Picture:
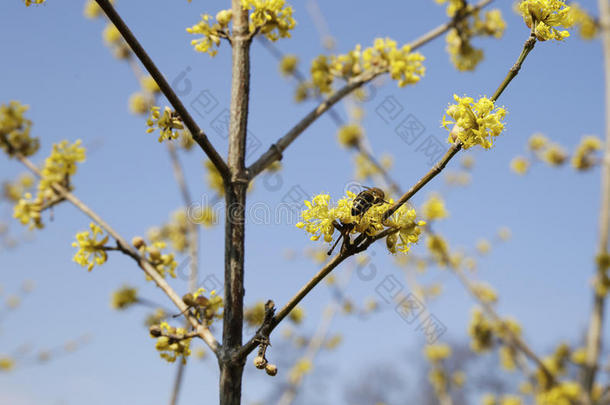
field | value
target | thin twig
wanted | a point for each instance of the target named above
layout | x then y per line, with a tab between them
594	335
126	248
197	133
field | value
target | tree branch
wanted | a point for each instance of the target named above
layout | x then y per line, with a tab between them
275	151
197	133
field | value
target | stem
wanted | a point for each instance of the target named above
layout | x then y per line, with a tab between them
197	133
126	248
275	151
594	335
231	368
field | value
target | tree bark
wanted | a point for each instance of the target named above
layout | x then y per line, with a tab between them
231	367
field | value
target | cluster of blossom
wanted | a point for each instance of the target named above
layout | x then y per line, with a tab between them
168	123
542	149
546	16
440	378
164	263
588	26
57	170
434	208
170	348
15	130
124	297
320	220
13	190
476	123
91	250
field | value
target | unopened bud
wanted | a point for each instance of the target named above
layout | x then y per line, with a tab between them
260	362
271	369
138	242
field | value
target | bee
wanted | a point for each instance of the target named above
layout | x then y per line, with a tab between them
366	199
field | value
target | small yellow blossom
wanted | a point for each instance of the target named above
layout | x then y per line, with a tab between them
92	9
111	35
211	31
124	297
588	27
520	165
350	135
149	84
481	332
28	3
546	16
27	211
255	314
168	123
288	65
508	358
437	352
15	130
583	158
554	155
537	142
164	263
91	251
272	18
6	363
483	246
438	248
453	6
171	348
565	393
214	178
140	103
485	293
434	208
297	315
476	123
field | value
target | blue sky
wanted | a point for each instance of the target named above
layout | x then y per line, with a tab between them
54	60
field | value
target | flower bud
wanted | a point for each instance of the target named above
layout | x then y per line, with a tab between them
138	242
155	254
260	362
271	369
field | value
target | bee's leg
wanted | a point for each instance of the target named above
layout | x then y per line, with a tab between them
177	315
330	252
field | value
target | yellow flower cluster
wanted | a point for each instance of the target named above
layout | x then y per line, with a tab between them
453	6
168	123
319	220
476	123
485	292
588	27
272	18
171	348
164	263
175	232
15	130
565	393
297	315
288	65
583	158
92	10
434	208
208	309
13	190
438	249
546	16
57	169
124	297
255	314
214	178
350	135
520	165
463	55
437	352
91	251
28	3
383	57
481	331
211	31
142	101
554	155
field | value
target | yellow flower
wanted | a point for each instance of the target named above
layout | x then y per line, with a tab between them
453	6
27	211
476	123
111	35
124	298
272	18
170	348
319	219
462	54
434	208
28	3
91	251
6	363
508	358
438	248
520	165
481	332
211	32
163	263
438	352
288	64
297	315
92	10
61	164
140	103
168	123
588	25
565	393
483	246
149	84
215	181
554	155
15	130
350	135
255	314
537	142
546	16
485	293
583	158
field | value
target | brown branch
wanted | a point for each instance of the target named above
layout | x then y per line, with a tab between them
595	331
126	248
198	135
275	151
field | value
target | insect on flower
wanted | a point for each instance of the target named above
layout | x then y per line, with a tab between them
366	199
